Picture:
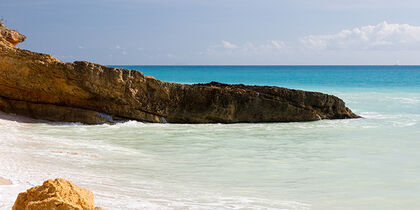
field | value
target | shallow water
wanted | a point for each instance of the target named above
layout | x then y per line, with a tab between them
369	163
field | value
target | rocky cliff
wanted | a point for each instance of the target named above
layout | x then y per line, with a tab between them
42	87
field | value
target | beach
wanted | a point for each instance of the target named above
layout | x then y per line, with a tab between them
4	181
368	163
210	105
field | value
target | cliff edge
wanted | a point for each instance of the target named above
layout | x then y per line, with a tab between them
40	86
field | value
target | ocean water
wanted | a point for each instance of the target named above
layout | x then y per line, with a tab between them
368	163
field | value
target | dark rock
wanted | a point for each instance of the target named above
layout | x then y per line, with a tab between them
42	87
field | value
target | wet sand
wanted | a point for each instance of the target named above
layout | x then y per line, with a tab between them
4	181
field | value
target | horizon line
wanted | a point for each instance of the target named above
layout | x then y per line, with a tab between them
261	65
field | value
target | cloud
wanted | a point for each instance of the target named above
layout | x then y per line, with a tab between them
278	44
382	36
226	47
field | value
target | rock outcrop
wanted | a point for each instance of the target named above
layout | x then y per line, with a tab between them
42	87
11	36
57	194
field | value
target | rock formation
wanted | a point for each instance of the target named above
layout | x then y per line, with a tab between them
57	194
11	36
42	87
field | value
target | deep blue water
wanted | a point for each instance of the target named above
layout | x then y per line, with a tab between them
304	77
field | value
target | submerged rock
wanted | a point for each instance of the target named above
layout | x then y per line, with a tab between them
57	194
42	87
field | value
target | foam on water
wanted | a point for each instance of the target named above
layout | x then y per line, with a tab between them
368	163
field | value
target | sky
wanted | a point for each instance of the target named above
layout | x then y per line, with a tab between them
220	32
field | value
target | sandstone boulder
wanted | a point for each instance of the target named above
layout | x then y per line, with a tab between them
56	194
42	87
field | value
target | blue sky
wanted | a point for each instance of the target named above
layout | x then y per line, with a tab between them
220	31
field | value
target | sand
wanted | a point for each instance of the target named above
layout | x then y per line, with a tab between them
4	181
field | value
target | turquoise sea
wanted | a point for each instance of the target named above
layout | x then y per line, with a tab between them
368	163
332	78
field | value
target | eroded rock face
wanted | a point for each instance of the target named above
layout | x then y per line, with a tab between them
11	36
56	194
42	87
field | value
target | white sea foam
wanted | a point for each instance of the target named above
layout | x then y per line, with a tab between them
325	164
406	100
376	115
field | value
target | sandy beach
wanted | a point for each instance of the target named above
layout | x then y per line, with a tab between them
293	105
4	181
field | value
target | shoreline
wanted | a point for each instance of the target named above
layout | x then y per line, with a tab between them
25	145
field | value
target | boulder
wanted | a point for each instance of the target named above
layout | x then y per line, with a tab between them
42	87
56	194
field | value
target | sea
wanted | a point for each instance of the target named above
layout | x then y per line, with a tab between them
367	163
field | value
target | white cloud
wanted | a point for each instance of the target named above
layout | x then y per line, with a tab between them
247	48
228	45
278	44
269	46
223	47
378	37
